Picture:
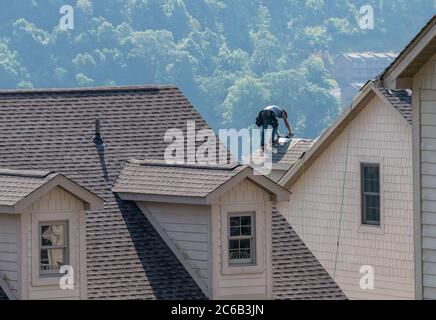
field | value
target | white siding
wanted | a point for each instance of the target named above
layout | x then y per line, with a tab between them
54	206
424	90
377	134
188	227
243	285
9	253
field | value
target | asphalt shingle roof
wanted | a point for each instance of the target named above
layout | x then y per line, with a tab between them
3	295
297	274
291	153
52	130
158	178
287	153
401	100
17	184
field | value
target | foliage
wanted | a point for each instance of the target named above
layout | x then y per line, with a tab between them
230	57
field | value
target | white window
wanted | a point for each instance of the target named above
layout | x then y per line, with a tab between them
241	239
53	247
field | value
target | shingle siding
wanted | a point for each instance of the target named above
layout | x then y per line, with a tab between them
377	134
424	85
9	260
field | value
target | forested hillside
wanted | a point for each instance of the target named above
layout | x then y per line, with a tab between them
230	57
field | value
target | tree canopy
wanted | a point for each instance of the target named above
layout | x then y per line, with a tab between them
230	57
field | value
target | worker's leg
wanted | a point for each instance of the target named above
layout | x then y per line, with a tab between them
262	130
274	134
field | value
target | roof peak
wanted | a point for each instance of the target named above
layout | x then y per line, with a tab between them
150	87
25	173
163	163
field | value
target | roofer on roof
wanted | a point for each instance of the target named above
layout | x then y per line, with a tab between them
268	117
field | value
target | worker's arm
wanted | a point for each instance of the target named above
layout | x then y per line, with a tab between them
285	119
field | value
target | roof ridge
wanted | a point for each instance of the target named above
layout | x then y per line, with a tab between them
25	173
88	89
162	163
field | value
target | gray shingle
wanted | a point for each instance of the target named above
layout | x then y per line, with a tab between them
287	153
157	178
17	184
401	100
297	274
52	130
3	295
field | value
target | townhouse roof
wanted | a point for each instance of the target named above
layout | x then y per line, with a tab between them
419	50
53	130
18	188
401	100
297	274
289	153
159	181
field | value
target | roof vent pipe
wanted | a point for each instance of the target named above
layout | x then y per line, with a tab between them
98	140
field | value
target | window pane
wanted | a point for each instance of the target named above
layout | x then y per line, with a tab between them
240	250
235	221
372	205
246	221
246	231
235	231
52	259
245	244
371	179
233	244
53	235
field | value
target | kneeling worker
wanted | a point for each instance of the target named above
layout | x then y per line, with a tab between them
268	117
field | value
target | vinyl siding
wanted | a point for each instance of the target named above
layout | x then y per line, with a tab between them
9	251
52	207
377	135
424	90
188	227
243	285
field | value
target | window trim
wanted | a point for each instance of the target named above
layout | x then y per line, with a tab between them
75	257
262	229
66	246
240	262
364	221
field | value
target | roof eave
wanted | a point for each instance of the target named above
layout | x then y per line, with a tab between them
92	201
410	52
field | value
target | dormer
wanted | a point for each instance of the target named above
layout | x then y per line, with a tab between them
42	231
215	218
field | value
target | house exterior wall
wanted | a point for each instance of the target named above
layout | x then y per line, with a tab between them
56	206
249	282
9	251
424	105
188	228
378	134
